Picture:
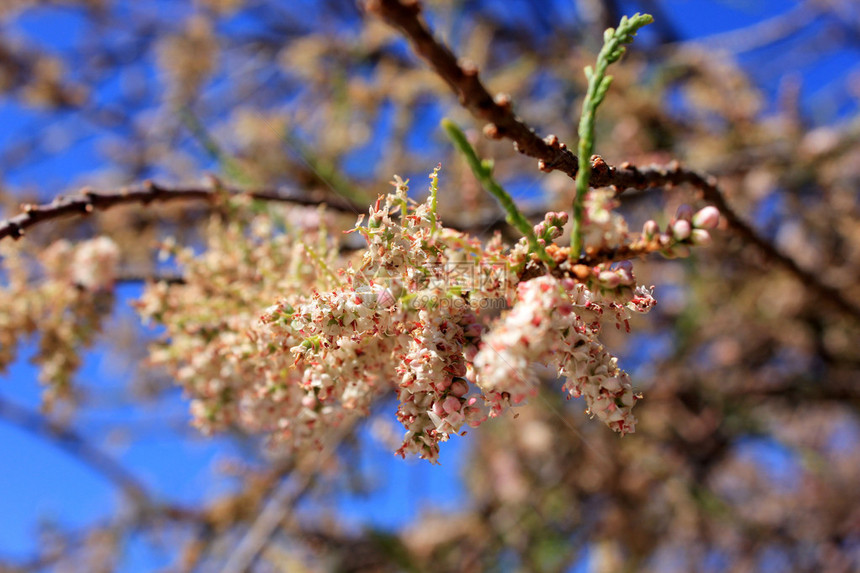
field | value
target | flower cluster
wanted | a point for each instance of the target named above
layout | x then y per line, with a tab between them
556	322
65	298
407	313
214	345
607	231
452	327
94	264
685	230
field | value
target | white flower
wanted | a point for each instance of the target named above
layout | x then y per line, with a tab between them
95	262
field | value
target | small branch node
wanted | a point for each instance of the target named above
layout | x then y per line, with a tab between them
492	131
468	67
503	100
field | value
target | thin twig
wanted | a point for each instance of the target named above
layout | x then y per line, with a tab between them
462	77
764	33
88	200
284	497
629	176
80	448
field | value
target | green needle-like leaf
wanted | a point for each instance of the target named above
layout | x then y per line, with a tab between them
614	40
483	170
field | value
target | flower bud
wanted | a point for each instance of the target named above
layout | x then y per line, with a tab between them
609	279
451	404
681	229
474	330
700	237
623	271
650	229
707	218
470	352
459	388
625	276
561	218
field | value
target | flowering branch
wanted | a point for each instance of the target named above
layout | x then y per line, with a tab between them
554	155
629	176
88	200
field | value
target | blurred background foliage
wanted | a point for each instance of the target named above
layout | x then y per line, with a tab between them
747	456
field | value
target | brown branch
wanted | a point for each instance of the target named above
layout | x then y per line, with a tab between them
625	176
761	34
463	80
282	500
462	77
77	446
152	277
88	200
628	176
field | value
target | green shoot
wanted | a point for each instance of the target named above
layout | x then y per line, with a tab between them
483	170
614	40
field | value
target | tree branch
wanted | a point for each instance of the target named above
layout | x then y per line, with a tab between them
463	80
625	176
88	200
283	498
462	77
629	176
764	33
77	446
